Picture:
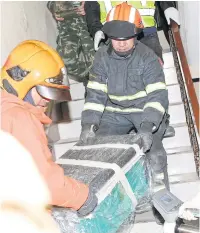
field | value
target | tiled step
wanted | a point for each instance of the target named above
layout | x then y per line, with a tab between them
151	226
70	131
76	107
177	189
168	60
181	140
176	112
184	160
78	92
173	145
170	76
176	144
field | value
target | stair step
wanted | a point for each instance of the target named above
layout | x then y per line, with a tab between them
184	177
170	76
177	113
152	227
176	150
172	145
70	131
177	189
184	160
168	60
75	109
174	94
78	92
181	139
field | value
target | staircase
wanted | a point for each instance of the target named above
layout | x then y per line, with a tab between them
183	178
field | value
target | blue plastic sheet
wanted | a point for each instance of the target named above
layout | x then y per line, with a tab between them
115	210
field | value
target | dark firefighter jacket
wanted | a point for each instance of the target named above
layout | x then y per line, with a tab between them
126	85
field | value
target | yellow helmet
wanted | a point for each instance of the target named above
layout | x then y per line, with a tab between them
35	64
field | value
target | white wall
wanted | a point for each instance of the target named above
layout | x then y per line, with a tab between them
25	20
190	30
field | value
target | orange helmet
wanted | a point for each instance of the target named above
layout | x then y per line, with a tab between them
121	22
35	64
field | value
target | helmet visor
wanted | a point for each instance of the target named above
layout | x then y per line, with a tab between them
61	79
53	93
58	88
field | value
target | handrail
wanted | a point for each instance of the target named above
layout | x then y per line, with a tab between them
187	74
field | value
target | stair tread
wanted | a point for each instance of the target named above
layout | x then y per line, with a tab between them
168	60
172	145
176	189
176	111
186	162
78	92
174	142
152	227
70	131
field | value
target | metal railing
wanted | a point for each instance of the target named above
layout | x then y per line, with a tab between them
186	86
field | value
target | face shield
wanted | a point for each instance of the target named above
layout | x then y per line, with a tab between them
56	88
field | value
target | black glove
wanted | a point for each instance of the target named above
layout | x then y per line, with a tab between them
88	132
145	134
89	204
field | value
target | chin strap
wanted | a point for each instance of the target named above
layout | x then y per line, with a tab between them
28	98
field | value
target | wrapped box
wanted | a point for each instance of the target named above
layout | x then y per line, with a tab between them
114	167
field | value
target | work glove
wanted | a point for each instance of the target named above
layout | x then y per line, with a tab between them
89	204
99	35
172	13
145	134
88	133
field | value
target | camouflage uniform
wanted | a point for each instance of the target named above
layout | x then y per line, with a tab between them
74	42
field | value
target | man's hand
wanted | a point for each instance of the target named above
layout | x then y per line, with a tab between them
81	10
145	134
59	19
89	205
172	13
99	35
88	132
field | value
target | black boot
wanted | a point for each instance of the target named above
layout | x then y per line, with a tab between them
169	132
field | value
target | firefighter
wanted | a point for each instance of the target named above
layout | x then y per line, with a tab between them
147	33
34	74
127	89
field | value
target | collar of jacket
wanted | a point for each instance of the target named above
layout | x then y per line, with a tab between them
112	53
9	101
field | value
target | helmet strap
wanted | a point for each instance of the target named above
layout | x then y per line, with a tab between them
28	98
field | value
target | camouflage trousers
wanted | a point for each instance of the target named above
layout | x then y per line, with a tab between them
75	46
